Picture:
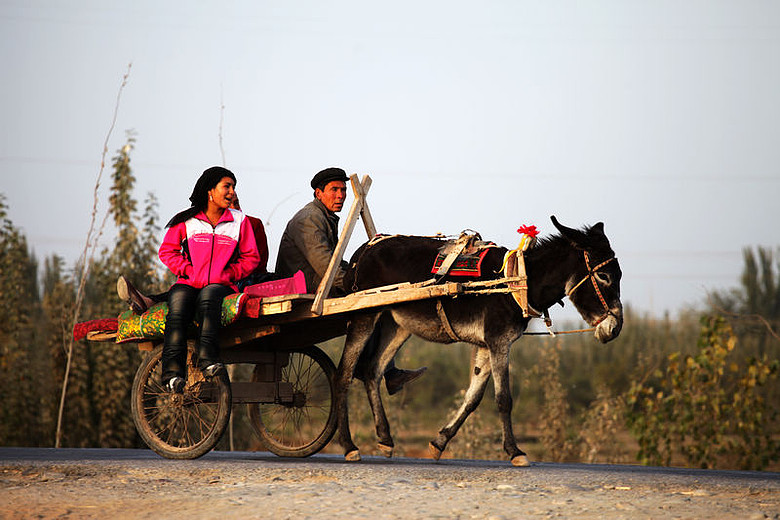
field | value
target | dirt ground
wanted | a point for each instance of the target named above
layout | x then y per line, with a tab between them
70	483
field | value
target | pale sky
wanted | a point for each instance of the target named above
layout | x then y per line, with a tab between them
659	118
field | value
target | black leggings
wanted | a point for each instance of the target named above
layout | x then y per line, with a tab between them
186	304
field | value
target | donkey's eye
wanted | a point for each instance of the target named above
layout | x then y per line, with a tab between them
603	278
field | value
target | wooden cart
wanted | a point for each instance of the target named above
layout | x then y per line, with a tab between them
291	391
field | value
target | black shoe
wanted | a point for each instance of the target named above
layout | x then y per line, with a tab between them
396	378
214	370
129	294
175	385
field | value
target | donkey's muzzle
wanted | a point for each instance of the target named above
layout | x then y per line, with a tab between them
610	327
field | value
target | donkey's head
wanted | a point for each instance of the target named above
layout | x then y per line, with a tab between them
594	283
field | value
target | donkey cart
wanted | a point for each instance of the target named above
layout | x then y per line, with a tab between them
290	395
297	397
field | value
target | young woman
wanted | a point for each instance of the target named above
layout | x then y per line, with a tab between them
208	247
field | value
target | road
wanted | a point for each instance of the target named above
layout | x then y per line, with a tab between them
119	483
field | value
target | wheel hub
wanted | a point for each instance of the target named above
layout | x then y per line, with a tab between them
299	399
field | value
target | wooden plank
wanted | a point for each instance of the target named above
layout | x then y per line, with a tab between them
338	253
275	308
361	188
98	335
403	292
444	268
235	336
257	307
359	301
287	297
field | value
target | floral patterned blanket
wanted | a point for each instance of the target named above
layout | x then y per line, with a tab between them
151	324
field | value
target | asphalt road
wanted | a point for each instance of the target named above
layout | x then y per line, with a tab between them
118	483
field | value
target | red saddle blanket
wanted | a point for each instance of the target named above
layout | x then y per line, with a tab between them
464	265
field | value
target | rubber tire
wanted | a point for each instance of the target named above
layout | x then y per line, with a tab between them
151	423
308	366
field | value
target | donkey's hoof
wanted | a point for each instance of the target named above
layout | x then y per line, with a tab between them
352	456
521	461
385	450
434	451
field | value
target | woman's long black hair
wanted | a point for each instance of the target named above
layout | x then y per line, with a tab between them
200	193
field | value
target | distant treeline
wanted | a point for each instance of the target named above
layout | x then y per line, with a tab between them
698	389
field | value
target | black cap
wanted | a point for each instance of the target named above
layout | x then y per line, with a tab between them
327	175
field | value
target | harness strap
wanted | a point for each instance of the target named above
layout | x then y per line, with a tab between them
445	266
548	323
591	272
445	323
592	275
514	267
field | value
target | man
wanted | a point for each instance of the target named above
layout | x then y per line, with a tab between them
308	243
312	234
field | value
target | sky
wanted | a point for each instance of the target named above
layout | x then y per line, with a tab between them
659	118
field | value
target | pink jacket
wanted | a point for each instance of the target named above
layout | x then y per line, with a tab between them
200	254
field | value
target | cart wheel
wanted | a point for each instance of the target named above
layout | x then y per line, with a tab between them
179	426
306	425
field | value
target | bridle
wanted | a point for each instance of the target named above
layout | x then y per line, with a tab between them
592	275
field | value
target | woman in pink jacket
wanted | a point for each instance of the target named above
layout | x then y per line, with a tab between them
208	247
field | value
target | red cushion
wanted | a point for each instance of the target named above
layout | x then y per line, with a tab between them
80	330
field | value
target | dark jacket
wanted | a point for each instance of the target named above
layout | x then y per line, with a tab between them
308	243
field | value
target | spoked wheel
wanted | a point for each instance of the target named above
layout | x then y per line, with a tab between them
179	426
303	424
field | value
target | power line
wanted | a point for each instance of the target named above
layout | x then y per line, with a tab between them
737	177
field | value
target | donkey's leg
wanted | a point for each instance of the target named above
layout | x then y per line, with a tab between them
480	374
391	337
358	332
499	360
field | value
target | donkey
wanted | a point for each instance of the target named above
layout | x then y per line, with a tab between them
579	264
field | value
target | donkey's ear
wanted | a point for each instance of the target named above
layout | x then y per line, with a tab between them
576	237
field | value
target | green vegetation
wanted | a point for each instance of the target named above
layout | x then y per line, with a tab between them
707	406
699	390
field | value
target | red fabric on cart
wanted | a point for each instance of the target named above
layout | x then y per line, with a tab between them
80	330
252	307
293	285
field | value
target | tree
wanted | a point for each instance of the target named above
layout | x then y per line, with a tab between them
102	373
755	305
19	359
115	365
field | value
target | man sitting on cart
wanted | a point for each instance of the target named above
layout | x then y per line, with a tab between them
308	243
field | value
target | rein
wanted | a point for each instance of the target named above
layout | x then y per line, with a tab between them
592	275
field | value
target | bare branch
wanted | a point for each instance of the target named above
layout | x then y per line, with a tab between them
268	220
752	317
85	260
